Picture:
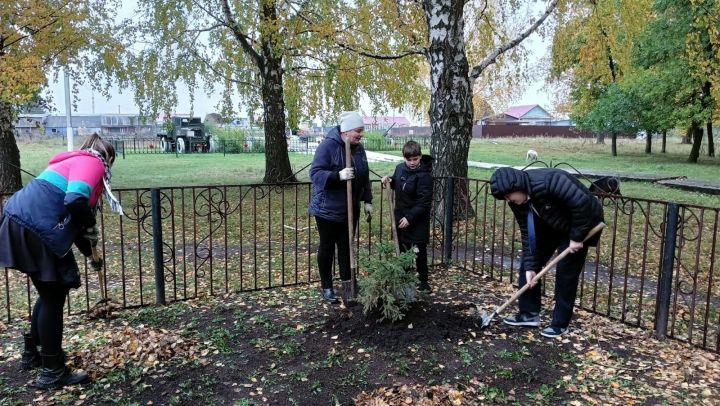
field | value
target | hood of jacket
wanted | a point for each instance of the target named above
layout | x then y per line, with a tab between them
507	180
63	156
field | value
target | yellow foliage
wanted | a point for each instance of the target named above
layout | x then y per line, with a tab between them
39	35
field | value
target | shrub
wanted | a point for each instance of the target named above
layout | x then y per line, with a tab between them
374	141
387	287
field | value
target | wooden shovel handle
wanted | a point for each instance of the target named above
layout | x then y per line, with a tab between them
547	268
391	207
351	220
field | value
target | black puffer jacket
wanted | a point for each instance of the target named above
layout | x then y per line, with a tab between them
562	204
413	200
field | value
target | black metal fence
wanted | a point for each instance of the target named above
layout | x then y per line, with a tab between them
655	266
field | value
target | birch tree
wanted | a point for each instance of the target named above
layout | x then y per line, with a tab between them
465	43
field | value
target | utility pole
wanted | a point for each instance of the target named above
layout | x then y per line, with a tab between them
68	119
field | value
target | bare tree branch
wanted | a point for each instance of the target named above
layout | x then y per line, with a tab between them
221	74
240	35
490	59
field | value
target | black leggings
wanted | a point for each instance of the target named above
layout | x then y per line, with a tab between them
332	234
47	317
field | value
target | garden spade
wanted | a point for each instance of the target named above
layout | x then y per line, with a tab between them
349	291
103	308
391	207
488	318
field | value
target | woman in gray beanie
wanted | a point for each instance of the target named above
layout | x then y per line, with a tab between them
554	211
328	203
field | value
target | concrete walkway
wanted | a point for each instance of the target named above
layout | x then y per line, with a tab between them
680	182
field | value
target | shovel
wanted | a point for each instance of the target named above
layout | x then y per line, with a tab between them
349	292
488	318
104	307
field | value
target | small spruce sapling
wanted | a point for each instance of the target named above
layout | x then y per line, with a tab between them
387	286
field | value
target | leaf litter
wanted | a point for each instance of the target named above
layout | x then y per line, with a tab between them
283	346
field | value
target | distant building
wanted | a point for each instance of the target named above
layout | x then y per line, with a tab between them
107	125
384	122
30	125
530	114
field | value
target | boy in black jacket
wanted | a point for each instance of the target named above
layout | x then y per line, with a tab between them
413	183
554	211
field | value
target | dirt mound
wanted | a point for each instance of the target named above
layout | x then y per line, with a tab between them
424	323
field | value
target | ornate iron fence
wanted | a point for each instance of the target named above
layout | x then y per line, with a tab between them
655	266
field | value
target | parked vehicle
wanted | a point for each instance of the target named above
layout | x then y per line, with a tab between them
184	134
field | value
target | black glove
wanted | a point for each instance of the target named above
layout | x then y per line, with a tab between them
97	265
91	234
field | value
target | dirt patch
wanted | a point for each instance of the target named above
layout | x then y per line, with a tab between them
285	347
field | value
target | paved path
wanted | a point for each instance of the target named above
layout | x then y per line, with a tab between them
680	182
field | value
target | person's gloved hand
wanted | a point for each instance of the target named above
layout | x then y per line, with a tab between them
96	265
368	211
347	173
91	234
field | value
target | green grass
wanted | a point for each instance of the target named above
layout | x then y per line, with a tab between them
159	170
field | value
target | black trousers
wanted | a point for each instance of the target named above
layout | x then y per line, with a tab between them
46	325
421	263
332	234
567	275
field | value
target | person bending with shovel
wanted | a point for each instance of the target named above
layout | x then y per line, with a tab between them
39	226
554	211
340	178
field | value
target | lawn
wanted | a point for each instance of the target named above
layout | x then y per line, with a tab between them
162	170
285	347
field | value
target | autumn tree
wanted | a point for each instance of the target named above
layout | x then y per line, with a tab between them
681	44
37	38
271	55
592	51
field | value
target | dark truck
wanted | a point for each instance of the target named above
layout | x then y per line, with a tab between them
184	134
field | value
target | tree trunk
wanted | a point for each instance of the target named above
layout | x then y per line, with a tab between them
711	142
600	139
697	135
664	141
688	135
613	146
10	180
277	163
451	106
648	141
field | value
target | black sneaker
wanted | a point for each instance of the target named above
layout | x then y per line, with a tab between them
552	332
523	319
424	287
329	296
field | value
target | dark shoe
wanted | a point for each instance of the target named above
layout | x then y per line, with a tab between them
424	287
30	356
348	292
329	295
56	374
523	319
552	332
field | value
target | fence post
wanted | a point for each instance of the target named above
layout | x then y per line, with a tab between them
158	248
448	226
123	148
662	307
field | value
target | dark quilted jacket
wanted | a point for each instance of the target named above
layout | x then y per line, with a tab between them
413	200
562	204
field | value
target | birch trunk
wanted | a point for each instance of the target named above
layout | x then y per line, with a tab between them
451	106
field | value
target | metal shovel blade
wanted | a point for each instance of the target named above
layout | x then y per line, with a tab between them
486	319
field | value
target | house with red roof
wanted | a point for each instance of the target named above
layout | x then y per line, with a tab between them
529	114
384	122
